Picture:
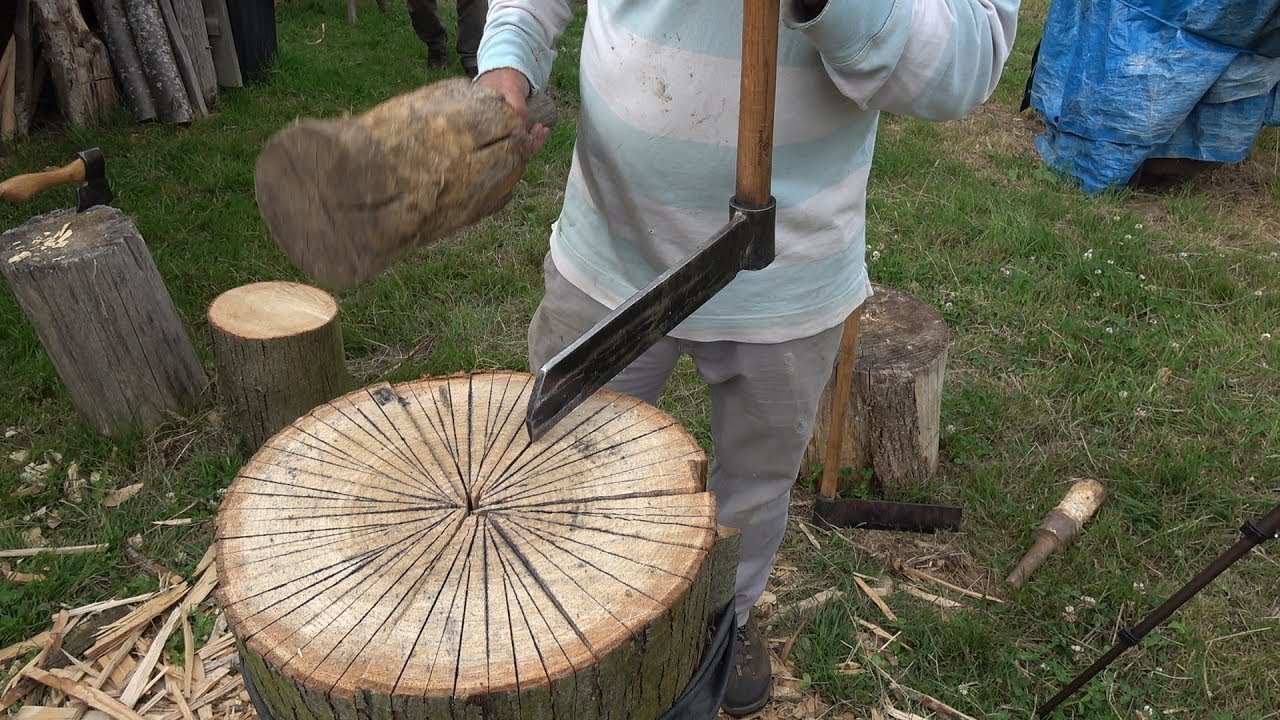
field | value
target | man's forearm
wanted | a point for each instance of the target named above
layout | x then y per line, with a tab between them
521	35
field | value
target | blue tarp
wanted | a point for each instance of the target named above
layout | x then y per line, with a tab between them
1119	82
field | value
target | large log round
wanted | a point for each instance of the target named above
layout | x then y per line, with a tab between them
405	551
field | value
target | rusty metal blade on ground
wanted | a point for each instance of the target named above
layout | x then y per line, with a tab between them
885	515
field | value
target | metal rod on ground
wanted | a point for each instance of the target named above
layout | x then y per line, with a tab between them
1255	533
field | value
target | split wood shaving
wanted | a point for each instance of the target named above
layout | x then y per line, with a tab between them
130	671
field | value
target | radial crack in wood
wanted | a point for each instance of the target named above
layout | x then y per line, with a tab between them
405	550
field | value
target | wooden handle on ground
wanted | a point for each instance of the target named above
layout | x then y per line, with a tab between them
845	362
760	20
21	188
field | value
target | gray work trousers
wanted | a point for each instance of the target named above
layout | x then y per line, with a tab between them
764	398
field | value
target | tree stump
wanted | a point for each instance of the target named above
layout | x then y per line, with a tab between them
278	349
893	417
405	551
89	286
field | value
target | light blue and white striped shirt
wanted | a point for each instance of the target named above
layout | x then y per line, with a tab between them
654	158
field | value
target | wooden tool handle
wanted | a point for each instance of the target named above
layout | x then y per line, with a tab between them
845	361
760	20
21	188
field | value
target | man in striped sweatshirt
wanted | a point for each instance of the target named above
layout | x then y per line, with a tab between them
653	169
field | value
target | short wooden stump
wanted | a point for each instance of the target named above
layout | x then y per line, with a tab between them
893	419
278	349
404	551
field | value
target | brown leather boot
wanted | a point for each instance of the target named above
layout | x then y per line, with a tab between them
751	678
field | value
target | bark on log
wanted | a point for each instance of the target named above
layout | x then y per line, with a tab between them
24	96
195	34
152	40
124	55
344	198
892	420
79	64
278	349
88	285
405	551
226	64
182	57
8	120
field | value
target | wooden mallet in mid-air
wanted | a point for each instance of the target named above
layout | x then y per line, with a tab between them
346	197
1060	527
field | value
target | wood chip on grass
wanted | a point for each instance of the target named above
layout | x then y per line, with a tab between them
134	668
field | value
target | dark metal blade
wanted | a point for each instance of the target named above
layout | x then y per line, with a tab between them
885	515
646	317
95	190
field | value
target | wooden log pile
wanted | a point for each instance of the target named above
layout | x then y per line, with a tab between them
165	60
164	655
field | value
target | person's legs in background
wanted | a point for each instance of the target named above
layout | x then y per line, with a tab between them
425	17
471	17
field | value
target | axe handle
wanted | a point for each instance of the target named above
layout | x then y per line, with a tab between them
845	361
760	21
21	188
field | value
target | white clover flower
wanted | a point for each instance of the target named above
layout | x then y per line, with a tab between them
1088	254
1005	271
948	306
1138	226
1128	237
875	255
1123	394
1142	277
1111	331
1098	271
1111	262
1257	293
1266	337
1182	255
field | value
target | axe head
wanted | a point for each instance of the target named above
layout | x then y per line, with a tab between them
95	190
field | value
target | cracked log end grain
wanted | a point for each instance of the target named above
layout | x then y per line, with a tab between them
346	197
405	551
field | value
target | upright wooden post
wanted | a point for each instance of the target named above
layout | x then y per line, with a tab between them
88	285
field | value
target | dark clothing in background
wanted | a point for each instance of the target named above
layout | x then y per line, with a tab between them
431	30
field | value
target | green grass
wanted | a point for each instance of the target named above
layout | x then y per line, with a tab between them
1083	346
